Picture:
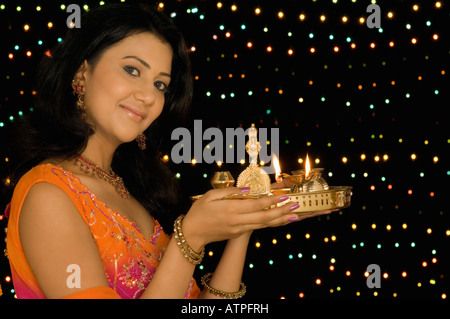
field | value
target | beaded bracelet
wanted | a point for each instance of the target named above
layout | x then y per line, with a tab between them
226	295
192	256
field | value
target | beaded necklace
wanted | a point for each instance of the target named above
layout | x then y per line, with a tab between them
89	167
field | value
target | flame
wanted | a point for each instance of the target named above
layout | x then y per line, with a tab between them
276	165
307	167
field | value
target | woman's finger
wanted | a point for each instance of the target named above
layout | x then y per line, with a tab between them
279	216
266	217
314	214
218	194
254	205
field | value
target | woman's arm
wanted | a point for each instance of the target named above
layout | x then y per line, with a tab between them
228	274
54	236
212	219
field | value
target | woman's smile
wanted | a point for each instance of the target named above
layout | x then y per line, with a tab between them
134	113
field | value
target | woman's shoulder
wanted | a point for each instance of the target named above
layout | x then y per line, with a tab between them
49	170
39	173
46	175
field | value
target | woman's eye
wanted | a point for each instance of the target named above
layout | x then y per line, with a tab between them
161	86
131	70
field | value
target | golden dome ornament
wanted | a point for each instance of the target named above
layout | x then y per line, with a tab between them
254	176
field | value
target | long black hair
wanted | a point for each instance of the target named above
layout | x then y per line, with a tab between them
55	128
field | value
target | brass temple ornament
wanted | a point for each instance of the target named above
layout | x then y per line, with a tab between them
254	176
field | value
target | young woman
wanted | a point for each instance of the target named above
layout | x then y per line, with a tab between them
91	192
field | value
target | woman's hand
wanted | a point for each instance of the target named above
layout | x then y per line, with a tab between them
212	219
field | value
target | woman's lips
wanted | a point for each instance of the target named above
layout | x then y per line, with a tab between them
134	112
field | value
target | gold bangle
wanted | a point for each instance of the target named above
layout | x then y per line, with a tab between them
226	295
192	256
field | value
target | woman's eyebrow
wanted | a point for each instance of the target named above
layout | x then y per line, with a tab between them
139	59
144	63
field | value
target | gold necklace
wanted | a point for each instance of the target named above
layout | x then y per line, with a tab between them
89	167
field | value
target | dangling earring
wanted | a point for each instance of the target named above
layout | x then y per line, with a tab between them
141	141
79	91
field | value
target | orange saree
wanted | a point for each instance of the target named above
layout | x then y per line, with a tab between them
129	259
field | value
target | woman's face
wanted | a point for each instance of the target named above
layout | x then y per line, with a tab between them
124	91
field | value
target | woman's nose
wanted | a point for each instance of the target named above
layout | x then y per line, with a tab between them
145	94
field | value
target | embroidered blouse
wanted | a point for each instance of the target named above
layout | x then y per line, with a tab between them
130	260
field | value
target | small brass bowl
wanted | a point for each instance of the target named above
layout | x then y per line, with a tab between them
222	179
295	181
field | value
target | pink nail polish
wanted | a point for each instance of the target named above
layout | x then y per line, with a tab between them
245	189
294	207
283	198
293	219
